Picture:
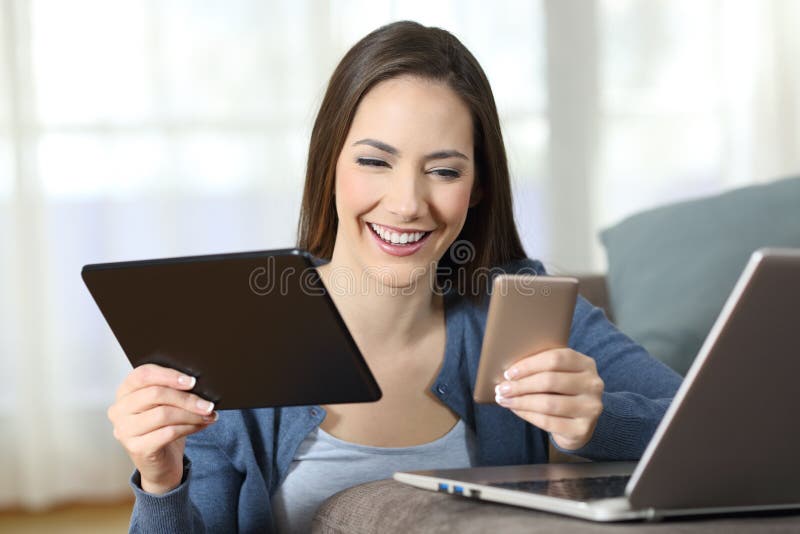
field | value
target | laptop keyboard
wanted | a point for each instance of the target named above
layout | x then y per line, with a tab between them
577	489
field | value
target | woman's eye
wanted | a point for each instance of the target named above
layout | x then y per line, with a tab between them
446	173
372	162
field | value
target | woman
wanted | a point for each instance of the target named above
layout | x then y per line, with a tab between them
406	163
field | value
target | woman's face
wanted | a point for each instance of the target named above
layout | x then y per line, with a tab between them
404	178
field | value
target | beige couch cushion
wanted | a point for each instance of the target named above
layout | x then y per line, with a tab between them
387	506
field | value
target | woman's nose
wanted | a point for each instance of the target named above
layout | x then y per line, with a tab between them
405	197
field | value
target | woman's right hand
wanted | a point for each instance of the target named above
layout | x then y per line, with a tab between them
153	414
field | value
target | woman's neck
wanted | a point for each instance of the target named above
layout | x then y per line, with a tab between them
381	317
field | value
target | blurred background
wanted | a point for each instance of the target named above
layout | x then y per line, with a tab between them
135	129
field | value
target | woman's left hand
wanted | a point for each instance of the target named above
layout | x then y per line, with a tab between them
557	390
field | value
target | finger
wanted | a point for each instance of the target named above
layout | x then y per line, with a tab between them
141	424
550	423
158	439
545	382
570	434
564	360
544	403
144	399
572	406
151	374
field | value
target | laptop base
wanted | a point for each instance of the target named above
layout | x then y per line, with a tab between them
481	483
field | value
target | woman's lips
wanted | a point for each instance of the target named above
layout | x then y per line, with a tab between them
397	249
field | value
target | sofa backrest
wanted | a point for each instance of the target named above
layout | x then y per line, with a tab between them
593	288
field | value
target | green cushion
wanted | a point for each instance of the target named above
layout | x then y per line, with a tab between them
671	269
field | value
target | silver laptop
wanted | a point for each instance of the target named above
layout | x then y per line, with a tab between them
729	442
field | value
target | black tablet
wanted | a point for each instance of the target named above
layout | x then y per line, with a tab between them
257	329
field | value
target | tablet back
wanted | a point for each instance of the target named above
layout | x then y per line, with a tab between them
257	329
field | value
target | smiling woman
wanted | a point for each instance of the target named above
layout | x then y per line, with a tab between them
406	164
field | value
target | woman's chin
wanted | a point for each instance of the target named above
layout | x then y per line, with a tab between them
407	279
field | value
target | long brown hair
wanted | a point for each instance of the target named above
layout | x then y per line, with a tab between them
489	237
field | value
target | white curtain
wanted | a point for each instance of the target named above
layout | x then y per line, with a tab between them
151	128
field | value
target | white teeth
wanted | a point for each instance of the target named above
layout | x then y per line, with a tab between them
397	238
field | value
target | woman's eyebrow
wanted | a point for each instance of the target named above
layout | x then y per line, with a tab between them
389	149
444	154
380	145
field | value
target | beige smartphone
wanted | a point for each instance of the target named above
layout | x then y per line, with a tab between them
527	315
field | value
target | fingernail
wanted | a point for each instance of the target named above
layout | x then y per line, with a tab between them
511	374
205	406
502	389
211	418
500	400
186	380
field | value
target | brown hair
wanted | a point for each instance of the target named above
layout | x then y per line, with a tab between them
408	48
